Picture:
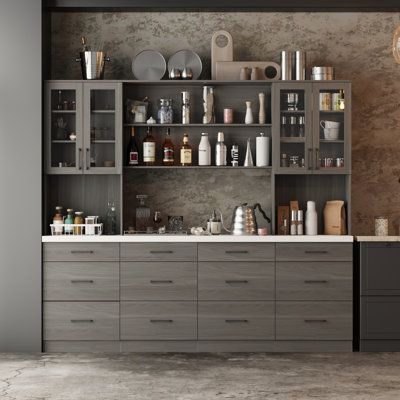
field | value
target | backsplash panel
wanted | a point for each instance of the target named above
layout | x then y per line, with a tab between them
357	44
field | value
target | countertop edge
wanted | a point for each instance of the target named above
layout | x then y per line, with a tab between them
377	238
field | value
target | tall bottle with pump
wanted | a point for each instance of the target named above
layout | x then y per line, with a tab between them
149	148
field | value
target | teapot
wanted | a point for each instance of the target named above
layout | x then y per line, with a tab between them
244	220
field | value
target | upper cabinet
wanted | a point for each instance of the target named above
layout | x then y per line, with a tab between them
83	128
312	127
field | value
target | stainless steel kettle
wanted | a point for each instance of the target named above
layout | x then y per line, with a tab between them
244	220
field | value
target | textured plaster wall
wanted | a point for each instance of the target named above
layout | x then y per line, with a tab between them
357	44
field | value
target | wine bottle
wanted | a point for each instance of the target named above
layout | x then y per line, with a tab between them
133	150
168	149
186	151
149	148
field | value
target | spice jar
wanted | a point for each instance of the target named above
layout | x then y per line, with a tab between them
58	221
78	220
165	112
381	226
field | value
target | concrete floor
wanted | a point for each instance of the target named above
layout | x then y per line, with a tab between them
357	376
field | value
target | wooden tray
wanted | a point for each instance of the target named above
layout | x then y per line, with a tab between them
230	70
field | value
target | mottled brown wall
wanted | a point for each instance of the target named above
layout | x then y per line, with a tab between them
357	44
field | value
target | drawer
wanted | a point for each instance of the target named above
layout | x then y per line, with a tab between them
236	320
306	320
380	269
158	281
314	281
81	281
236	252
81	252
314	252
236	281
379	317
158	320
80	321
158	252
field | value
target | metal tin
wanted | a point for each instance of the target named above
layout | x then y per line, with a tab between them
287	65
92	64
323	73
300	65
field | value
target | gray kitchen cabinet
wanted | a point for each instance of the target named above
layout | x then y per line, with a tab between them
314	252
83	128
236	252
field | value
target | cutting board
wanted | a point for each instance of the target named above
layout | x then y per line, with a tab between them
230	70
220	53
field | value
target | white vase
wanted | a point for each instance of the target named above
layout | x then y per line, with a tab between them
249	114
248	160
261	113
311	219
204	150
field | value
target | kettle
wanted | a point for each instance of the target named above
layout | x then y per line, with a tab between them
244	219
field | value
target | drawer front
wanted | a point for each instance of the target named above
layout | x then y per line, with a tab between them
236	320
236	281
158	320
158	251
81	252
308	320
81	281
236	252
314	281
380	317
158	281
314	252
380	272
81	321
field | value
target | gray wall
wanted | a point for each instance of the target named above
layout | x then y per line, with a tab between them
20	175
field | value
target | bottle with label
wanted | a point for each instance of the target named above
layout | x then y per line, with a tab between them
186	151
168	149
149	148
133	150
58	219
220	151
204	150
78	220
69	220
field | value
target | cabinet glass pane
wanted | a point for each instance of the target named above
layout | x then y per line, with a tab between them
63	128
102	128
331	128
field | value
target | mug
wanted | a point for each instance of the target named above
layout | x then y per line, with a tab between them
330	124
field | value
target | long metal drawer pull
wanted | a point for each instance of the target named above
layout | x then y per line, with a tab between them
315	251
236	281
82	251
155	282
161	251
233	321
236	251
87	321
311	321
316	281
82	281
160	321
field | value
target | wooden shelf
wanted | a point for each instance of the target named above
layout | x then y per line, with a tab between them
293	140
192	167
103	111
103	141
63	111
330	141
63	141
332	111
293	111
200	125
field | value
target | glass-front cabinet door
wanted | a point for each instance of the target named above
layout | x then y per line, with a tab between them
332	127
63	128
102	128
293	128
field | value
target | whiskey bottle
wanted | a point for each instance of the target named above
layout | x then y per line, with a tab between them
168	149
133	150
149	149
186	151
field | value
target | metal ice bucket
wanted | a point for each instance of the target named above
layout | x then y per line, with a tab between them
92	64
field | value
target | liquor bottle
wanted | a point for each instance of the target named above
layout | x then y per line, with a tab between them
149	148
186	151
204	150
168	149
133	150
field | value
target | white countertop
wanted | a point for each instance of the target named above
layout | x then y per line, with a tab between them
378	238
200	239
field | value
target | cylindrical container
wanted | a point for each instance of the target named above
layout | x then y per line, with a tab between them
204	150
300	222
336	98
300	65
287	65
284	126
262	231
220	151
311	219
323	73
165	112
185	108
92	64
262	151
325	101
235	155
381	226
228	115
58	219
208	105
89	225
293	222
78	220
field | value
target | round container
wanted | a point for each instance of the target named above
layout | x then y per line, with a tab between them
92	64
381	226
323	73
228	115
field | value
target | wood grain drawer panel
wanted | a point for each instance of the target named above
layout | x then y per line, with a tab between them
314	281
81	251
236	251
236	320
81	321
81	281
167	320
158	251
314	252
158	281
236	281
306	320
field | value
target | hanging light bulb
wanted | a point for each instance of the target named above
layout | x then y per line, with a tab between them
396	45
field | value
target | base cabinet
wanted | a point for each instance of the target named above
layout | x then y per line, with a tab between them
197	297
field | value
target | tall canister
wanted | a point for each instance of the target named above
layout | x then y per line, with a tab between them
262	150
300	65
287	65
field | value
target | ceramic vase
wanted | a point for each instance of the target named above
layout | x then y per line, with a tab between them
248	160
261	113
249	114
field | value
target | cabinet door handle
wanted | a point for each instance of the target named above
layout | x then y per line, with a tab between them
161	251
236	321
315	321
80	160
155	282
316	252
316	158
87	158
236	251
82	251
236	281
309	158
316	281
82	281
82	321
161	321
